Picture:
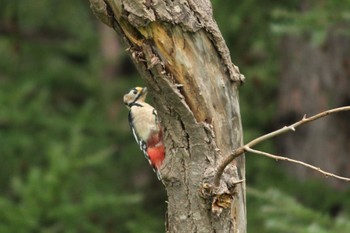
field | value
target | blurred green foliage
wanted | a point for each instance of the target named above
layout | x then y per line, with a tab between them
67	155
313	18
66	148
278	212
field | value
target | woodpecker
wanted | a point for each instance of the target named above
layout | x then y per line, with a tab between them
145	126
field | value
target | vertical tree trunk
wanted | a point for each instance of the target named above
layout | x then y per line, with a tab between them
179	51
316	78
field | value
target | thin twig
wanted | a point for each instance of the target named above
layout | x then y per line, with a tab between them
292	127
224	164
276	157
247	147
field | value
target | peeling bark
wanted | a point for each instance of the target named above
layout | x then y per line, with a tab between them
179	51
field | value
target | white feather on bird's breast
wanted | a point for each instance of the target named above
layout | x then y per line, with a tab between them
144	120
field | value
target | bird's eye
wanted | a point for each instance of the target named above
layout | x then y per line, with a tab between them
134	92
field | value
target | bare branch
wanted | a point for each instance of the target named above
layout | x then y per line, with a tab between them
276	157
247	147
226	162
292	127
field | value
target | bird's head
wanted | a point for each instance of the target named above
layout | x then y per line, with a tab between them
136	94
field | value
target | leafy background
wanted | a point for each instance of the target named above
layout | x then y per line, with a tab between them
68	160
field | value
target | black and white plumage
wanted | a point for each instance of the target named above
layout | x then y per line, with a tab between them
144	124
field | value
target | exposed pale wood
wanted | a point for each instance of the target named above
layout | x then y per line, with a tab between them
179	51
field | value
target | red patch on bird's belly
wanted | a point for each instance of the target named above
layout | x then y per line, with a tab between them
154	139
156	155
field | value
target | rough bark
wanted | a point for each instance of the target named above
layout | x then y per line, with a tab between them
316	78
179	51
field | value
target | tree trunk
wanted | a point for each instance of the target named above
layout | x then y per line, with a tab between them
316	78
179	51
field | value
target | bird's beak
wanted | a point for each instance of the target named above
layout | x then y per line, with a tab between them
144	91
